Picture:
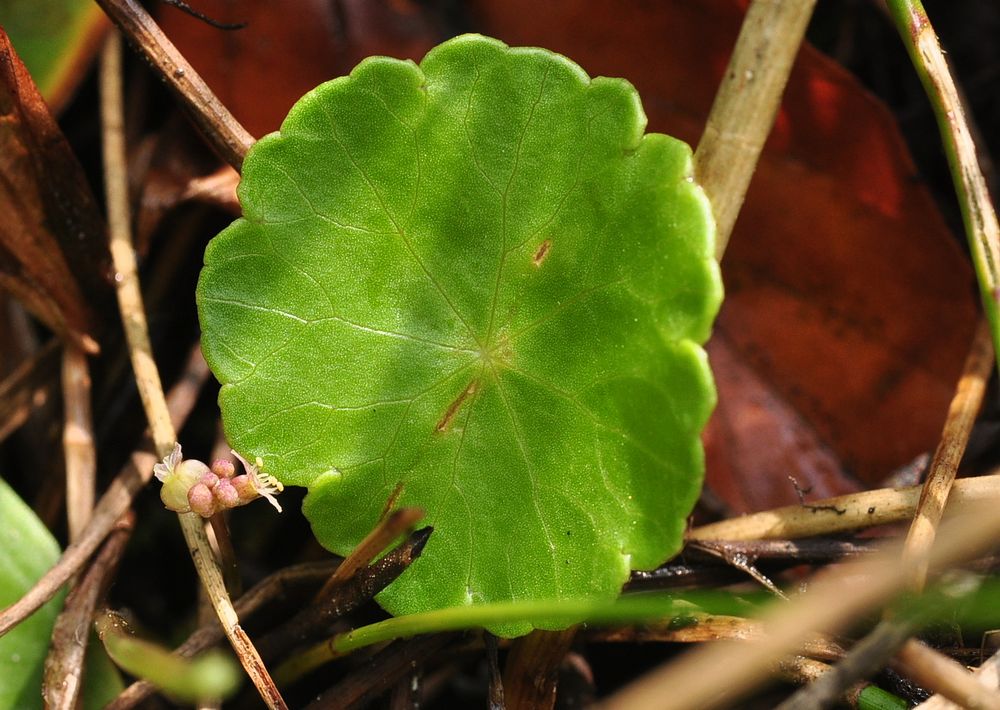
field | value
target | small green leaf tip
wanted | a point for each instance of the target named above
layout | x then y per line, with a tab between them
479	278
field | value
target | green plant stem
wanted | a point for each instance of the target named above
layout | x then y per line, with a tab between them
978	215
563	612
211	675
874	698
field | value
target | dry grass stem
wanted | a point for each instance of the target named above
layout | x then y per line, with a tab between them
78	440
865	658
146	373
207	635
746	104
700	627
958	424
222	131
843	513
390	527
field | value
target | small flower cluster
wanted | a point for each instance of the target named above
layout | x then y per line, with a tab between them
191	486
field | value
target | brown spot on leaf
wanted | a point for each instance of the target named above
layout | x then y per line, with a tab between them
453	408
541	252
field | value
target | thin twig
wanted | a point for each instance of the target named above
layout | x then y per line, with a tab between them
222	131
63	679
699	627
981	227
78	440
864	659
113	504
958	424
315	620
378	675
740	561
146	374
843	513
746	104
936	672
122	253
891	635
806	551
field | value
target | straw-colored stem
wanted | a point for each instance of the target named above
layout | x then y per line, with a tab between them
936	672
146	373
715	674
851	512
957	427
78	440
746	104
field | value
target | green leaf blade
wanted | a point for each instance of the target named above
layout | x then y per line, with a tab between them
27	551
479	278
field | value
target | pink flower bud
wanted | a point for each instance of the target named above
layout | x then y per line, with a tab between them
223	468
244	488
226	495
209	478
201	500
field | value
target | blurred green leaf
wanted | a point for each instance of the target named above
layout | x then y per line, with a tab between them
27	550
55	39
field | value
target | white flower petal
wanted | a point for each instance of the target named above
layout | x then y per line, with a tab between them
170	461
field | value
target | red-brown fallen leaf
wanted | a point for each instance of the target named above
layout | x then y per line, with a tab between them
849	307
286	49
53	250
259	71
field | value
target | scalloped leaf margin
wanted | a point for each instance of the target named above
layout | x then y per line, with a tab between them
477	277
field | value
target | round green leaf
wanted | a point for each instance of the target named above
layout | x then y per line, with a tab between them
477	277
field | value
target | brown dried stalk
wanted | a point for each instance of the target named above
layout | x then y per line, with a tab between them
222	131
941	476
63	677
